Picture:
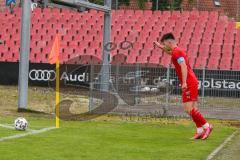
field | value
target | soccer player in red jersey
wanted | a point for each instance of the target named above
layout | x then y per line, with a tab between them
189	84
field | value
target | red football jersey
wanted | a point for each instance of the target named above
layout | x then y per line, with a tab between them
178	56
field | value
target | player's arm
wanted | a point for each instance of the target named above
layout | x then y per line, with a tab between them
161	46
181	62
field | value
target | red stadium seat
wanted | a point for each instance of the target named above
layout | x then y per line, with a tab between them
147	13
119	59
155	59
41	44
193	50
142	38
78	51
74	44
213	63
113	52
175	15
215	50
201	62
143	59
149	45
3	53
192	61
82	44
95	44
227	51
207	37
90	51
183	46
165	60
89	59
238	36
67	53
237	51
204	50
204	14
131	38
225	64
236	64
36	37
157	14
131	59
185	14
166	14
194	15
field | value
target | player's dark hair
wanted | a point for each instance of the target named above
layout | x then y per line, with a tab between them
167	36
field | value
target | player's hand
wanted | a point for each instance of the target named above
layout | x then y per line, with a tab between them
163	47
159	45
184	86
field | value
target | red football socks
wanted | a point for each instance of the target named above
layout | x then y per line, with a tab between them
197	117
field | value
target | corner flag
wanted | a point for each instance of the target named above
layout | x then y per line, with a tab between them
54	54
54	58
237	25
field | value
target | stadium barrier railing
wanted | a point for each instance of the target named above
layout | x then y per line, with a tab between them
142	90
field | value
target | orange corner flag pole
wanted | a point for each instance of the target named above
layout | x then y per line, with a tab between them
54	58
57	94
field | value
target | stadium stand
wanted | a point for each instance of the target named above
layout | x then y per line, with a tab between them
211	40
225	7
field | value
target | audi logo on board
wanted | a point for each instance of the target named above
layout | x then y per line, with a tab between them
50	75
42	75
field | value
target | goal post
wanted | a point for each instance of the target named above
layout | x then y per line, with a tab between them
25	44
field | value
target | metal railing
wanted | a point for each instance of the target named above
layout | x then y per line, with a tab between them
141	90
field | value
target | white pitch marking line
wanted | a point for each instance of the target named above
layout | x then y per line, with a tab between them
26	134
6	126
11	127
220	147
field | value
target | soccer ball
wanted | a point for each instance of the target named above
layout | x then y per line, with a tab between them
21	124
146	89
154	89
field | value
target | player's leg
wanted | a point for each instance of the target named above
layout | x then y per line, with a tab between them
202	120
199	117
190	97
188	108
205	125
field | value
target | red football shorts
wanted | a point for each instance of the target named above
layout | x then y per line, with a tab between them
190	94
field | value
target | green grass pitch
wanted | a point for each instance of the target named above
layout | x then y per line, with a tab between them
110	140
